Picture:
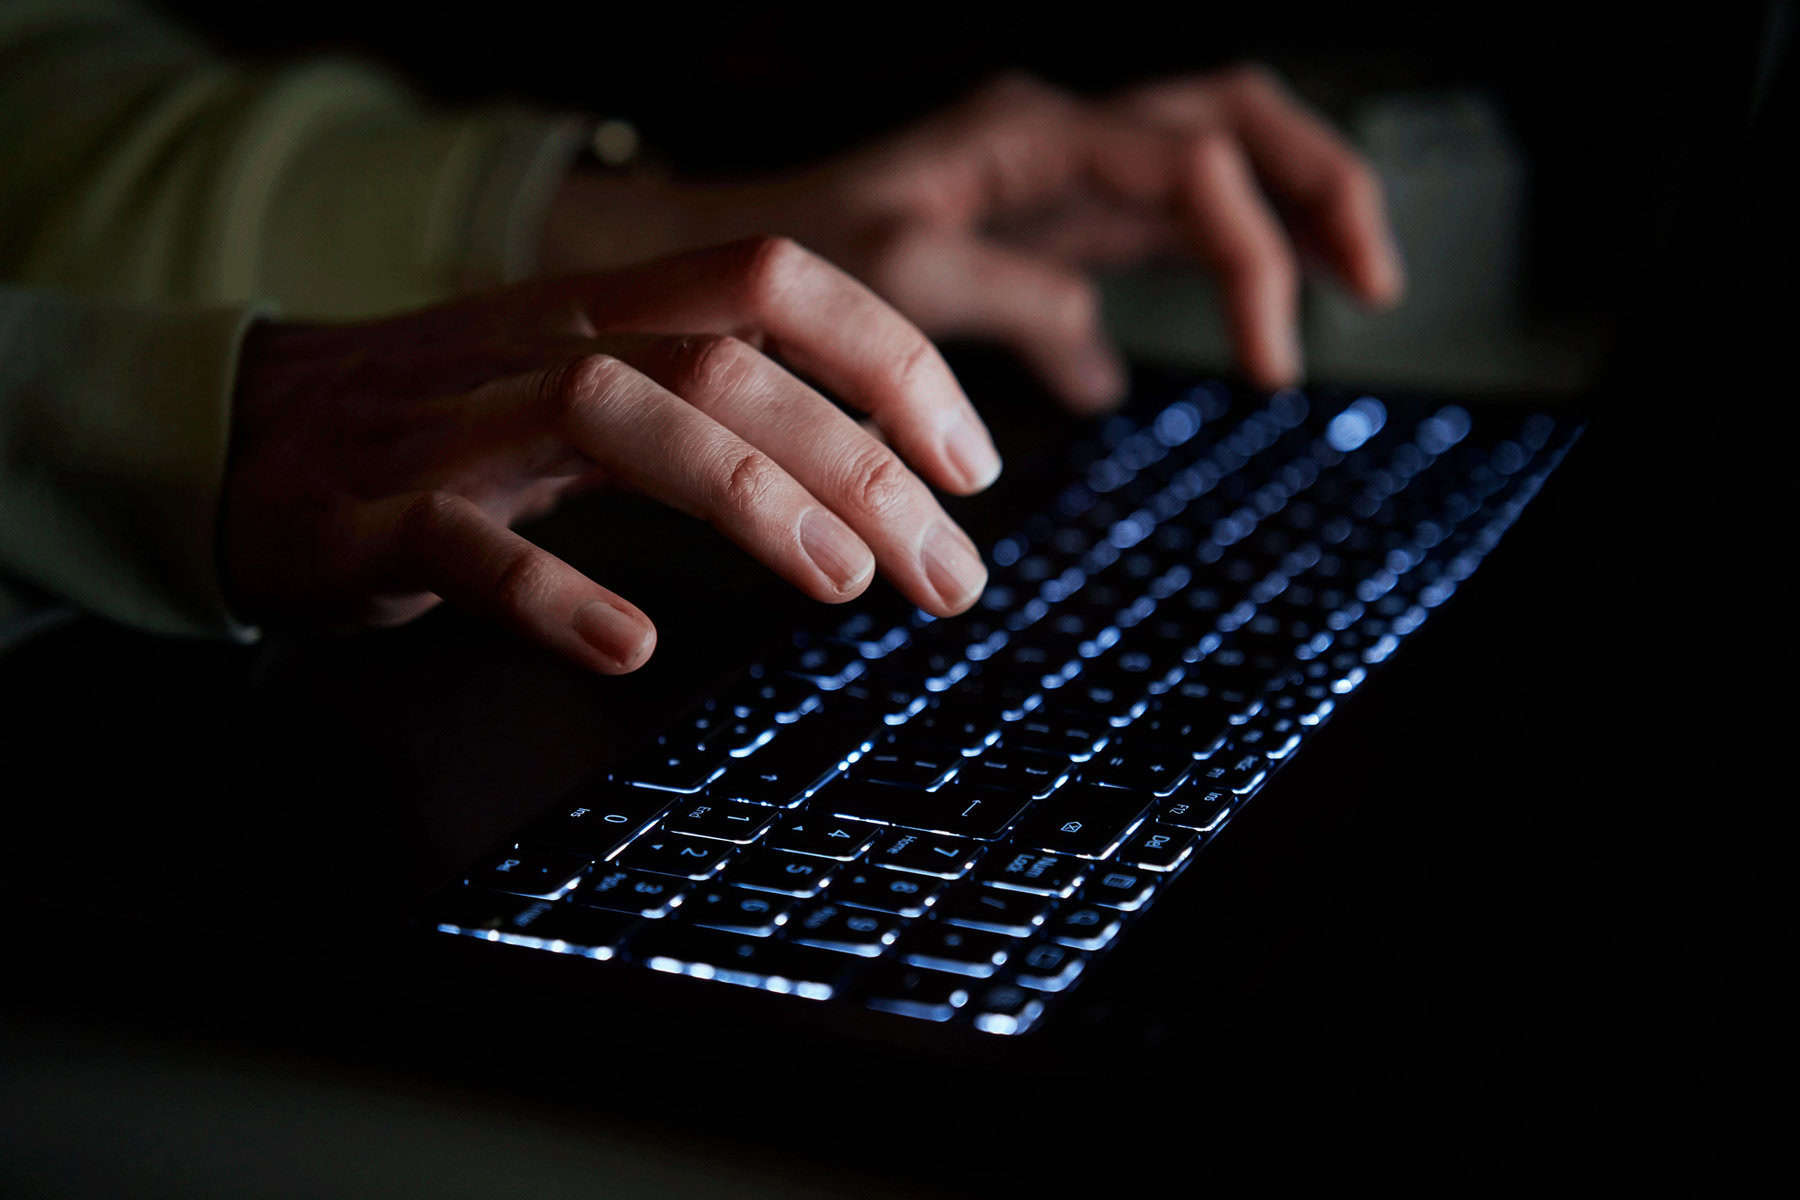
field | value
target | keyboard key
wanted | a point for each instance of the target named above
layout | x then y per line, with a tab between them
1011	696
1035	872
847	930
1160	733
672	769
871	636
1239	773
1007	1010
1156	847
735	910
743	786
828	666
921	670
632	892
1084	927
783	698
910	772
1028	775
539	924
1138	768
1075	741
966	729
673	854
887	891
1082	819
876	702
824	836
601	826
1195	808
478	911
1016	914
739	737
791	768
1048	967
573	929
923	995
787	874
726	820
1087	707
746	962
530	873
1126	890
927	854
959	951
964	811
1127	672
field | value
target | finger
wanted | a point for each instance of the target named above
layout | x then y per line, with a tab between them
647	438
1094	233
958	284
1244	244
1007	148
1330	193
827	325
866	484
1207	180
446	544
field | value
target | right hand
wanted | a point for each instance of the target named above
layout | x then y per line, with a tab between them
984	220
376	468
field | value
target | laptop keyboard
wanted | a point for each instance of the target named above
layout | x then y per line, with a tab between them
951	820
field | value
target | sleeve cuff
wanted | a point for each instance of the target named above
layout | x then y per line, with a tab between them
530	158
113	441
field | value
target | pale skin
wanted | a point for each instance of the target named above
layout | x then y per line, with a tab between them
378	468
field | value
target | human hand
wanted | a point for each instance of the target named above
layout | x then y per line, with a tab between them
981	221
377	467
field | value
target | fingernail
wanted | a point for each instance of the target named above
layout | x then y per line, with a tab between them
616	634
971	451
953	568
834	549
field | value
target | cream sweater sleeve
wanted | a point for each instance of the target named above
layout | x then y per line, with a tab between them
138	169
113	432
139	166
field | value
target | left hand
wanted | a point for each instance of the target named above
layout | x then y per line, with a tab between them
980	221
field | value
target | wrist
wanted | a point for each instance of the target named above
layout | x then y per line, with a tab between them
602	219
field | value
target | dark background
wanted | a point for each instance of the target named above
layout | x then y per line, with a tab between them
1525	919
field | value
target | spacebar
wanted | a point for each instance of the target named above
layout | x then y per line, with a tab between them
976	812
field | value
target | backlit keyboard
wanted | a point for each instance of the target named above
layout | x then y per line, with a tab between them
951	820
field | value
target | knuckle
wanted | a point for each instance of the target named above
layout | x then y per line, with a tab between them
879	483
746	484
1353	188
907	367
1253	79
708	365
525	583
429	514
1210	150
770	263
1011	90
1074	306
1264	263
584	384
